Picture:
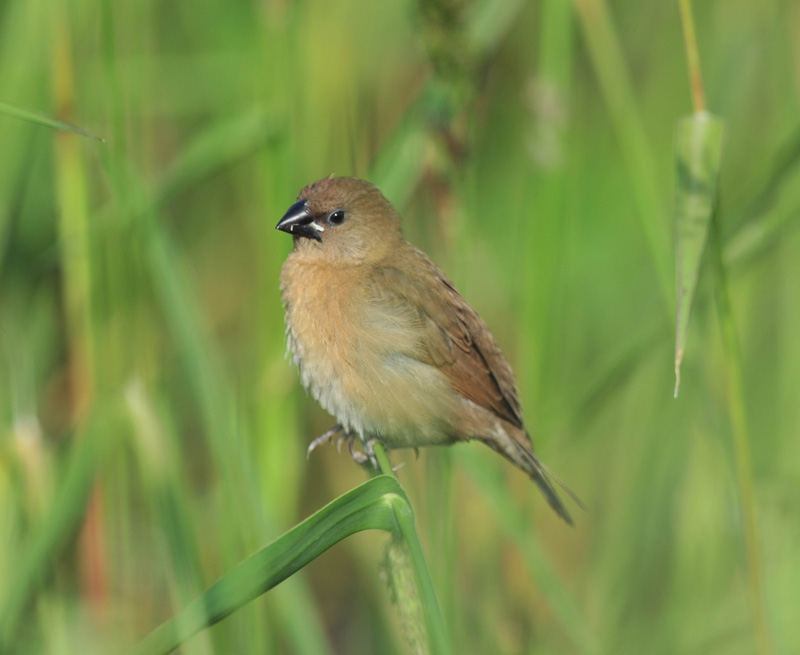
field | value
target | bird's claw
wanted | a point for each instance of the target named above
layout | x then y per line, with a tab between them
350	437
346	436
361	457
358	458
325	438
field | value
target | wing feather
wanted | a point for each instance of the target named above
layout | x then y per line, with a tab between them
452	336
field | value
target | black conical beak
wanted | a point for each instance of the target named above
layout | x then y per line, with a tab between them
299	222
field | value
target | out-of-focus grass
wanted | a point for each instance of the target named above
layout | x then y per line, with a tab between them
152	435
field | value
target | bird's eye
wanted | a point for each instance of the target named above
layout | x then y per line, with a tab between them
337	217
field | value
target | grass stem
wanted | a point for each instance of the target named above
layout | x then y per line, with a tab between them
692	56
404	515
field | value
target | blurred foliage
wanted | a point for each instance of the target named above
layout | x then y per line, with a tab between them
152	435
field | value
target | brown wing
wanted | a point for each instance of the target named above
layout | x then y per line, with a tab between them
453	336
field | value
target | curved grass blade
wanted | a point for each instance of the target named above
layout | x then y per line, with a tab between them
39	119
375	505
698	149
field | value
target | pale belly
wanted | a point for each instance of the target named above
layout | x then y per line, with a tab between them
360	367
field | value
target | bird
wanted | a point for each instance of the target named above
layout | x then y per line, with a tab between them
383	340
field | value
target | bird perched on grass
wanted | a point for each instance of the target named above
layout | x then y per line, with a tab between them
383	340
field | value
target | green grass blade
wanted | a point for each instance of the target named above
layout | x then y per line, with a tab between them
698	149
772	179
66	513
603	43
489	21
39	119
370	506
400	163
737	408
161	473
221	144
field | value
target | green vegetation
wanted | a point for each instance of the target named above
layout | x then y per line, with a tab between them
152	435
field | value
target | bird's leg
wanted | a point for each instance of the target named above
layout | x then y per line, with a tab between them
369	454
323	439
359	458
350	437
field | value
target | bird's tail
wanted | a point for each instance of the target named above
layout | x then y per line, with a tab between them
520	454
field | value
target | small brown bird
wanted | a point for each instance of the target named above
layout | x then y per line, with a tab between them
384	341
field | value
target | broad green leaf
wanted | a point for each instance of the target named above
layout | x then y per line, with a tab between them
698	148
39	119
378	504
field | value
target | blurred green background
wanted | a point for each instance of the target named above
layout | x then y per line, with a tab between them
152	434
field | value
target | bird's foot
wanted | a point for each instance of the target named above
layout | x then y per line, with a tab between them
369	451
325	438
367	456
358	457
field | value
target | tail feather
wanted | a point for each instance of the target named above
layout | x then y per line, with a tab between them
523	457
562	484
538	472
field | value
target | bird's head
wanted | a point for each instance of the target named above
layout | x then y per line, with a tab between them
343	218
